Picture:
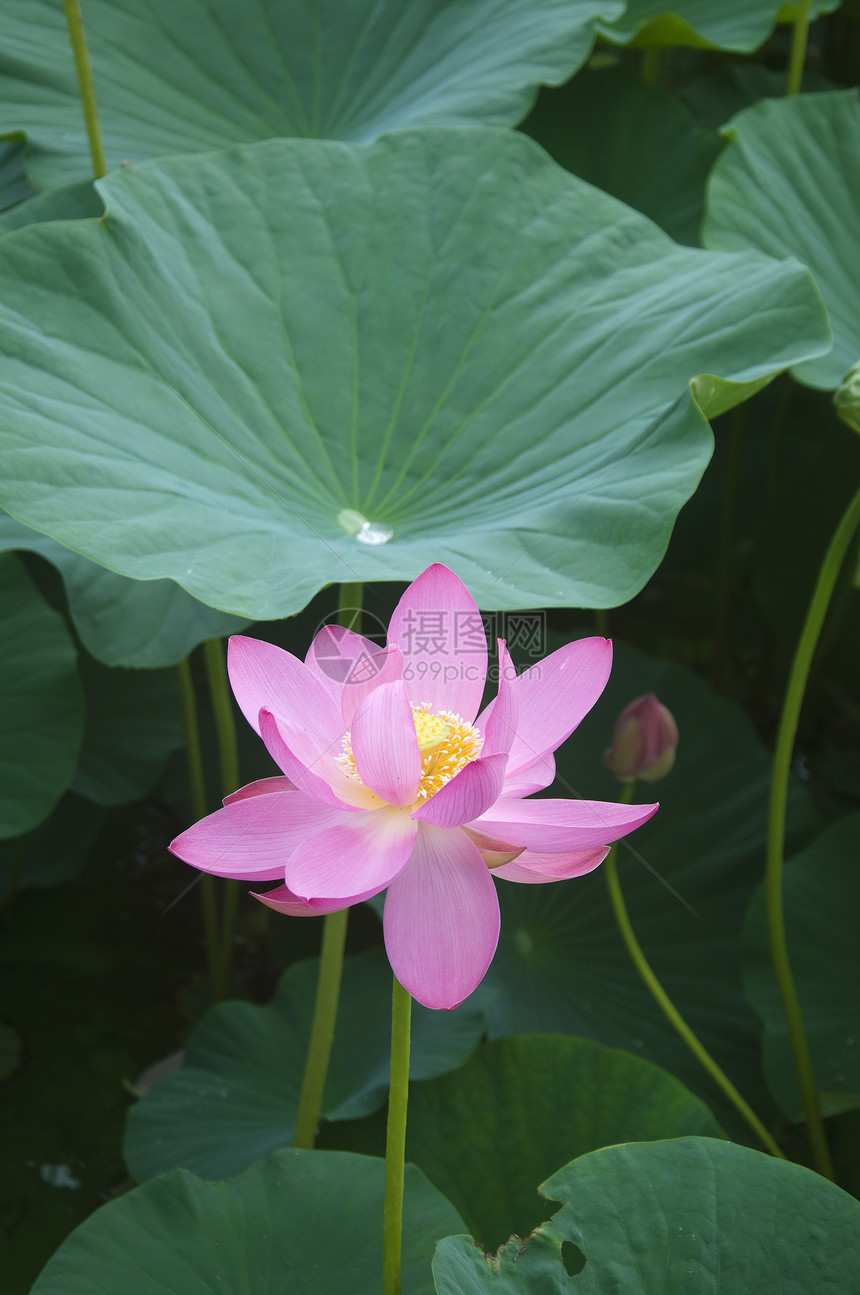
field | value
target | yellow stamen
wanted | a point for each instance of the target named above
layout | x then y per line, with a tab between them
446	743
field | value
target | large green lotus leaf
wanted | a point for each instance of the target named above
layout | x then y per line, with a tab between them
40	701
632	140
532	1102
141	624
687	1217
306	1222
191	77
236	1096
789	184
442	332
821	892
133	725
740	25
561	966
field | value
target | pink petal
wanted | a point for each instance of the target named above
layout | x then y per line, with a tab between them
385	666
360	855
253	838
351	666
532	777
560	826
385	745
493	852
554	696
441	919
499	721
282	900
470	793
539	868
439	630
262	787
265	677
313	782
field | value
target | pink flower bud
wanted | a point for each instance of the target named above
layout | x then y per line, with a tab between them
644	741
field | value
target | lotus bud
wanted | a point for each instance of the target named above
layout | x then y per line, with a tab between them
644	741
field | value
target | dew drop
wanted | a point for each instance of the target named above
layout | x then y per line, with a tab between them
374	533
366	532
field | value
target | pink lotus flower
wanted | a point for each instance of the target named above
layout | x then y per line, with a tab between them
392	779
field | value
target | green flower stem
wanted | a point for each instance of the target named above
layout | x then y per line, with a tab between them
228	752
322	1030
650	65
800	668
194	760
349	609
85	84
395	1144
331	962
799	38
668	1007
725	561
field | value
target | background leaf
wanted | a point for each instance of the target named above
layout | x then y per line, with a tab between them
236	1096
133	725
740	25
692	1216
820	885
40	701
789	184
530	1102
632	140
182	80
298	1220
142	624
561	966
254	344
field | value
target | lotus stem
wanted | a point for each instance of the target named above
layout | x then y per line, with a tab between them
228	752
669	1009
799	38
331	962
197	787
797	680
395	1145
322	1030
85	85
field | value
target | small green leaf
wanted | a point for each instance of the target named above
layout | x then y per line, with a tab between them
820	886
14	185
303	1222
692	1216
522	413
191	78
69	202
789	185
236	1096
40	701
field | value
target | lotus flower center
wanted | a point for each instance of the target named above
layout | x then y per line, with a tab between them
446	743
